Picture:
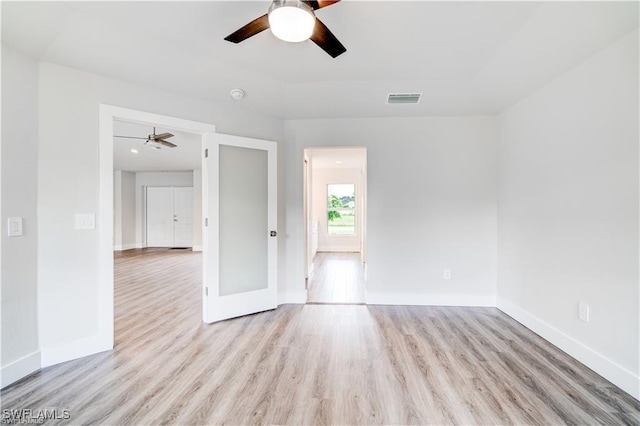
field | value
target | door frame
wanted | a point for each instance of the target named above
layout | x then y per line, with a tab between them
107	115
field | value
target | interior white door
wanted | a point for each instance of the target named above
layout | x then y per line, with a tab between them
159	217
240	239
169	216
183	217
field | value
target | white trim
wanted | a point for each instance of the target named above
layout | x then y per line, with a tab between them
19	368
124	247
74	350
421	299
105	240
616	374
196	248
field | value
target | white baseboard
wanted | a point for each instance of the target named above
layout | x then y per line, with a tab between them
127	247
374	298
295	298
19	368
75	350
616	374
196	248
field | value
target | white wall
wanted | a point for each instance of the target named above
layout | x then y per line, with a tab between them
568	212
128	210
68	181
441	174
322	178
144	179
124	211
117	210
20	355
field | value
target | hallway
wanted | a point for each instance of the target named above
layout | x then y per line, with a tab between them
337	278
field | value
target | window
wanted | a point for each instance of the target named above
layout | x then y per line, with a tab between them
341	209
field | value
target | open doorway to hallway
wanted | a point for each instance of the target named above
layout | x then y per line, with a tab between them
335	217
157	226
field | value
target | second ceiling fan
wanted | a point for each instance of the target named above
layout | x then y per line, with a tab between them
286	17
153	140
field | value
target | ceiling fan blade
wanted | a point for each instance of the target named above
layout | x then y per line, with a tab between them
252	28
320	4
326	40
165	143
163	136
128	137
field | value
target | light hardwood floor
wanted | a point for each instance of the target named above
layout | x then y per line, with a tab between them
313	364
337	278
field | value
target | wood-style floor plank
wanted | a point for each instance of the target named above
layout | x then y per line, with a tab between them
313	364
337	278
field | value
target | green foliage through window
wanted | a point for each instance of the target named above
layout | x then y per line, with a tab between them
341	218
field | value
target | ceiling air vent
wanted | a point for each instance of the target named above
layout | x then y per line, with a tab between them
404	98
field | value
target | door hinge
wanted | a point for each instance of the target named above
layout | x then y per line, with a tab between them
206	153
206	291
206	221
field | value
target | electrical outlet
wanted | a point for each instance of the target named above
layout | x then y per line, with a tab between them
85	221
583	311
446	274
14	226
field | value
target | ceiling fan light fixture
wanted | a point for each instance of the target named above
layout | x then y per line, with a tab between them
291	21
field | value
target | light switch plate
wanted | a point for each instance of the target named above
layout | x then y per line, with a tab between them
14	226
85	221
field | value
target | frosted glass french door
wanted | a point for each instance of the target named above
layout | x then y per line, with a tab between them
240	238
169	217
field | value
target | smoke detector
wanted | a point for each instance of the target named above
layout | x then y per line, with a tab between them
237	94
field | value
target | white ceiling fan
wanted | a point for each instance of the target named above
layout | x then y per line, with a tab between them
153	140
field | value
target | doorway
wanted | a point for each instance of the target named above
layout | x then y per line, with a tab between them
107	208
157	233
335	212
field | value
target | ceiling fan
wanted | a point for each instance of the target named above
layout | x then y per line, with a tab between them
294	21
156	141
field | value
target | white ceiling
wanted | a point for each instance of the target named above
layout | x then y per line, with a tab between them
466	57
185	157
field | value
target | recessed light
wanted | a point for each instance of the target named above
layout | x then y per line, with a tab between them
135	151
338	162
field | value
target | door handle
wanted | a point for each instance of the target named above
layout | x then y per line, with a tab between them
273	233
